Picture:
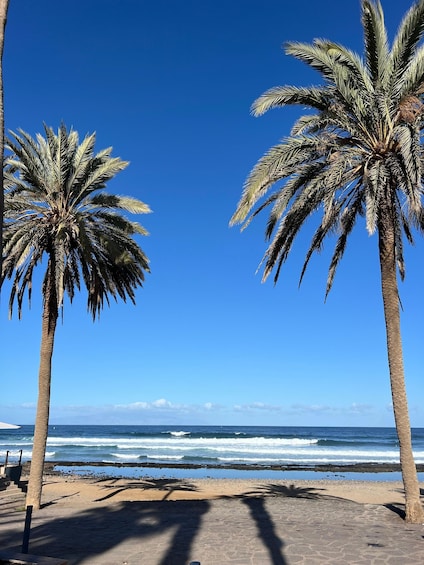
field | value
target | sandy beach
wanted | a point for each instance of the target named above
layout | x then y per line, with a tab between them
78	491
89	520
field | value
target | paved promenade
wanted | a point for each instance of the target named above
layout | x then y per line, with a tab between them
303	528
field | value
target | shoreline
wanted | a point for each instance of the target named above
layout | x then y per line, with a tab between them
49	467
139	473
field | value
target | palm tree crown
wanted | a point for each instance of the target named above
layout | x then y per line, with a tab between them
55	205
357	154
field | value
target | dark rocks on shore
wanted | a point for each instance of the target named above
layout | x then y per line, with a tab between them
50	467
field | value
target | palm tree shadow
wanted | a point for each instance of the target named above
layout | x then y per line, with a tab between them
255	500
169	486
56	500
291	491
266	529
399	508
121	521
286	491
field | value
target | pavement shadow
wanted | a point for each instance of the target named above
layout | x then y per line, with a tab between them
285	491
266	530
92	532
58	499
290	491
399	508
255	500
168	486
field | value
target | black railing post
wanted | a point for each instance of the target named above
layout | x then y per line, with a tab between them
27	529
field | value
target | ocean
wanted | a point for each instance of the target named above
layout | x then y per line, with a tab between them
214	451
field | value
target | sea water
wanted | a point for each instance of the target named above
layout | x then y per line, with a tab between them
221	447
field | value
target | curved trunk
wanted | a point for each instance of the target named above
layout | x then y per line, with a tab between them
413	509
49	320
4	4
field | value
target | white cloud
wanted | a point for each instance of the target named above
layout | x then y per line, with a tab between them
163	411
160	403
255	406
356	408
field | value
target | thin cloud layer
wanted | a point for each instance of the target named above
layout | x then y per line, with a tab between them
165	412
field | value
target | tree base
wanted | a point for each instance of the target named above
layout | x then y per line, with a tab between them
414	513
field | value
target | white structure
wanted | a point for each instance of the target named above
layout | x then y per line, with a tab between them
4	426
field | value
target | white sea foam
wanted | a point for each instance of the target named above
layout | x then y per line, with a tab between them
126	455
240	458
306	461
15	454
179	434
20	445
83	441
178	439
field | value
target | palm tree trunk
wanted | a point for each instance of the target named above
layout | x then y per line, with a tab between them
4	4
49	320
413	509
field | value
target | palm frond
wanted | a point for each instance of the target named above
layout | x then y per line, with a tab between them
376	42
279	162
411	80
347	223
313	97
104	200
284	196
314	56
409	34
358	75
378	179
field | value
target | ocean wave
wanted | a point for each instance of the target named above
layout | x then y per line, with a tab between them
250	459
200	458
359	442
176	438
15	454
19	445
170	457
222	445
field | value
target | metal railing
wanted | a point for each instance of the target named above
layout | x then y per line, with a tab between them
8	453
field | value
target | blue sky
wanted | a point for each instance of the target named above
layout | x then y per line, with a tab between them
169	85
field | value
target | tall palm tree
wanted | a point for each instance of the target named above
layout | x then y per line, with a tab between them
55	207
357	153
4	5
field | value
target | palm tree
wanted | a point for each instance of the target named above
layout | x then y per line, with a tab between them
55	206
4	5
357	153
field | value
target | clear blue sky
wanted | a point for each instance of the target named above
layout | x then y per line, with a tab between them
169	85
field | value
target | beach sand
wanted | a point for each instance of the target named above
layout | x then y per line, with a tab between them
108	521
79	491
